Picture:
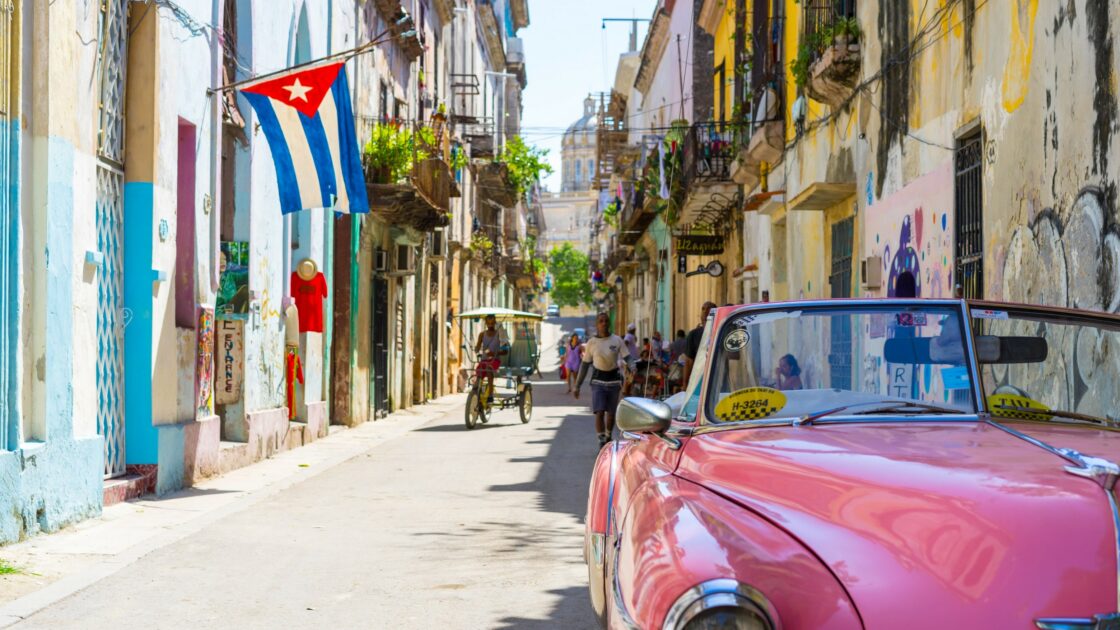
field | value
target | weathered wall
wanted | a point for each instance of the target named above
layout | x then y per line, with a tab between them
52	477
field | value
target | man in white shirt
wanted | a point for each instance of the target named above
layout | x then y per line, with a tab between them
604	353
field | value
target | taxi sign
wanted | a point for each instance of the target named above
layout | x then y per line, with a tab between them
752	403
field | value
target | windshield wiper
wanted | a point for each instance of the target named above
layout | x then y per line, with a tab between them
888	407
1061	413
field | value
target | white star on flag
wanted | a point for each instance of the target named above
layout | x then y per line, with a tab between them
297	90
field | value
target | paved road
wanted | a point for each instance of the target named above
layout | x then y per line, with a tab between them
440	527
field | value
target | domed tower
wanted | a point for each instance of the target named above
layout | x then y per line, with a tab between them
578	151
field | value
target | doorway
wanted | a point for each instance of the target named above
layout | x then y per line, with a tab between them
379	336
840	279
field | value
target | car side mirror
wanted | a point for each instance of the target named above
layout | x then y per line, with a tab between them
643	415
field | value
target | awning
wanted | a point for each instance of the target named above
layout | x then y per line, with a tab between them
502	314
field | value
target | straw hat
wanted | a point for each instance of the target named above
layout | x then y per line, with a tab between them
307	269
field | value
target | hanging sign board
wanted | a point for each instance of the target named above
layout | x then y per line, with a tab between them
231	356
699	245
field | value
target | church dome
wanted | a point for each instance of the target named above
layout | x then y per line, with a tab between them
587	122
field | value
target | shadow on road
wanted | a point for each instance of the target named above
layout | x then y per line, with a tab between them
565	471
571	611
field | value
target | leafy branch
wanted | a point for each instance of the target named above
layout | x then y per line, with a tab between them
526	164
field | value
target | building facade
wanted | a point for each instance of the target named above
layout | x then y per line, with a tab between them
152	336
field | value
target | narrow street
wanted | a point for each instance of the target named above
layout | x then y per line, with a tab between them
440	527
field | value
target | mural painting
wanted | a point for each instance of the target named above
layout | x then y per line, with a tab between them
912	231
205	367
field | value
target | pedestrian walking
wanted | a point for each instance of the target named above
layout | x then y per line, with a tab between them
572	360
631	339
604	354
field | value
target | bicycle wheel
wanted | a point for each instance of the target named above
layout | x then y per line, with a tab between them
474	408
525	405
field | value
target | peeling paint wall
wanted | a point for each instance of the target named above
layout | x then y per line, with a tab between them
1038	78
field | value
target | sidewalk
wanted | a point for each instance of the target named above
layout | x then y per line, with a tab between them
52	567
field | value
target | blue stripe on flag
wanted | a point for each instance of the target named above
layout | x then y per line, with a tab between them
321	155
348	149
282	158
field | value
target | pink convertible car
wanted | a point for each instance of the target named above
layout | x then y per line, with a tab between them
897	464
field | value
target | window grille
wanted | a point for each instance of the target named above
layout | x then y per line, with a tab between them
969	230
111	59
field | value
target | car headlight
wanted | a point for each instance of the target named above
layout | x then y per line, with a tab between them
728	619
722	604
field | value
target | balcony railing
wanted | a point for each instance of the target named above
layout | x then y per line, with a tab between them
821	21
421	198
708	152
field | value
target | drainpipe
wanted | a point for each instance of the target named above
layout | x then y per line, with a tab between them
215	149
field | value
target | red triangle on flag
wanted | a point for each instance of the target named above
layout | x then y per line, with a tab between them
304	90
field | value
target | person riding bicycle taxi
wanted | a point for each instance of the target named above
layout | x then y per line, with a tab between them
604	354
492	345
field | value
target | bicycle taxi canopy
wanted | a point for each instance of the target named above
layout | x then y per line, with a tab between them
501	314
524	352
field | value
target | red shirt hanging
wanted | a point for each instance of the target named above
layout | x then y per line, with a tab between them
309	295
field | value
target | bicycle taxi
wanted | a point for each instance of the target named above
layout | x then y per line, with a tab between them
510	386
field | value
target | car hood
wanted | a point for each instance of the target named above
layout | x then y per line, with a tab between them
929	524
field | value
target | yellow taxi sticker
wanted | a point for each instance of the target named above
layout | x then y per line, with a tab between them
751	403
1014	406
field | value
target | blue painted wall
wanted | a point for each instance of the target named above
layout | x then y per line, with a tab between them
9	301
47	485
141	436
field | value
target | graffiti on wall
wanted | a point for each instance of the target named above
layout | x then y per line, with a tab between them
1067	259
205	367
912	231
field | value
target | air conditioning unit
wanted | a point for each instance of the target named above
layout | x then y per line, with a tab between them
380	261
404	260
871	270
437	244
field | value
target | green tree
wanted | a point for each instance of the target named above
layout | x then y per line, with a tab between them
526	163
571	276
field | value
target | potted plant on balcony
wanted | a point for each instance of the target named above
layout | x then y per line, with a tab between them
846	31
387	155
610	213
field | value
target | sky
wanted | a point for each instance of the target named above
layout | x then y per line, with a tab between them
568	54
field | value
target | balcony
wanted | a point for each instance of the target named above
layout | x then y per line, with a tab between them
762	138
420	200
520	11
492	180
832	40
400	22
515	59
708	153
768	142
492	34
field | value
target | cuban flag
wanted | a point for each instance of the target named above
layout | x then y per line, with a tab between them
307	119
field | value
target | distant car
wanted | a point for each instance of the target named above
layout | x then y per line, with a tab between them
553	310
582	332
869	464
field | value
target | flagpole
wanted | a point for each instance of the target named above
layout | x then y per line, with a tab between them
345	54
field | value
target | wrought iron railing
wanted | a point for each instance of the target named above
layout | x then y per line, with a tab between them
708	153
821	19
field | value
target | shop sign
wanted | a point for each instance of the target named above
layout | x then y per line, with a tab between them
699	245
231	359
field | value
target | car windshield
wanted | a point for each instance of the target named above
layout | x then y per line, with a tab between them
1066	363
798	362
